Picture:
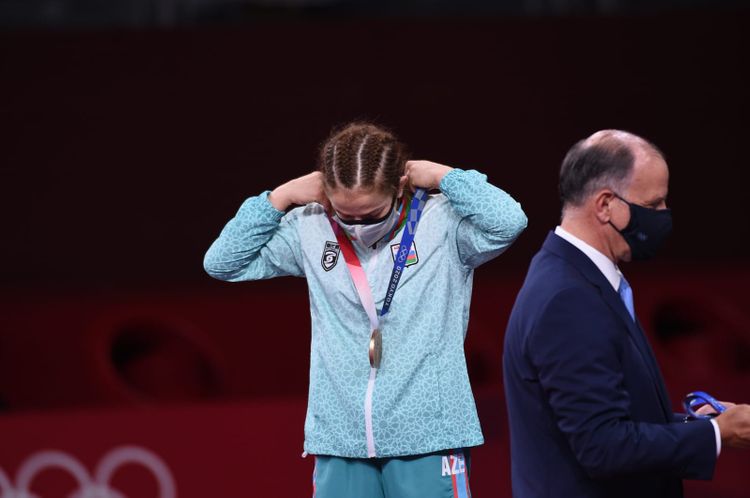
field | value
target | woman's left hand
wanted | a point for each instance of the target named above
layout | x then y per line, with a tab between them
425	174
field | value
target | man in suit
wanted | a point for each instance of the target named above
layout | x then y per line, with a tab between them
588	411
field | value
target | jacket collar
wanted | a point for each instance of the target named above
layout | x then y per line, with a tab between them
605	265
580	261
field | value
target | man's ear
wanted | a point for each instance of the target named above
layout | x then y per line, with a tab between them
603	205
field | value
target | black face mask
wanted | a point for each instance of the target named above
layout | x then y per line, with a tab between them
646	231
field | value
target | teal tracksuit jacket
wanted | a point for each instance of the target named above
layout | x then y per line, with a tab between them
422	401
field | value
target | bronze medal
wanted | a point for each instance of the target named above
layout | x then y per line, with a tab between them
376	348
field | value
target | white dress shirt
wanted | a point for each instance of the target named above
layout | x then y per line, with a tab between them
613	276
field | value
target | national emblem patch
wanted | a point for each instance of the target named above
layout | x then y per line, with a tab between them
411	259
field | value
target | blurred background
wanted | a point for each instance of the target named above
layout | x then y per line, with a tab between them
132	130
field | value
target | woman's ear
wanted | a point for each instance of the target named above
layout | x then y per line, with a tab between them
402	182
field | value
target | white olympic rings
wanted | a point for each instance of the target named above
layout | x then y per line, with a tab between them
97	486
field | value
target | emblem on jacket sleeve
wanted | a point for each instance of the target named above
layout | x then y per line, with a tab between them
330	256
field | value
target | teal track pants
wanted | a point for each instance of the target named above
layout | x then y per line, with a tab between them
444	474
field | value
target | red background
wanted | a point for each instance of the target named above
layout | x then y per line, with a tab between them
125	152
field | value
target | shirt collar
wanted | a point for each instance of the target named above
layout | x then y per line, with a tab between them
605	265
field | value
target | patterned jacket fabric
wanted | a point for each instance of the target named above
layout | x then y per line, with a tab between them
422	401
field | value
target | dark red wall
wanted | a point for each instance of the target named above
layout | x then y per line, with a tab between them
125	152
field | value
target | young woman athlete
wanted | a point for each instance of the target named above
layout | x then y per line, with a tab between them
390	409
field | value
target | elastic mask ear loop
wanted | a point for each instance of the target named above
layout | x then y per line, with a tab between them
610	220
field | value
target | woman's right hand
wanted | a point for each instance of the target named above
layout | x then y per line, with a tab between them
300	191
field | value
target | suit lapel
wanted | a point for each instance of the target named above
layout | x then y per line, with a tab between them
591	272
638	337
661	387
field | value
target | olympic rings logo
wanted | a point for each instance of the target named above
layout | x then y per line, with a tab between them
96	486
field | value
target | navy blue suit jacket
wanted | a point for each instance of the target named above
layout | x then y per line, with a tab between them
588	411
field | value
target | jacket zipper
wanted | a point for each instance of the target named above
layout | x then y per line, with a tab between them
370	389
368	413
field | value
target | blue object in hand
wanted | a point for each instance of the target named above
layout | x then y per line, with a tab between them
697	399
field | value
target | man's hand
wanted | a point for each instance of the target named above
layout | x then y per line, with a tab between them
425	174
708	409
734	425
300	191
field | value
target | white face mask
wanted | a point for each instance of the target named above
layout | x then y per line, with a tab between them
368	232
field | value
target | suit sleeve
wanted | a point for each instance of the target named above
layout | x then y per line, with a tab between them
490	219
574	347
259	242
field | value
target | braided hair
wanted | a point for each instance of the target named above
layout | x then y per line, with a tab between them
362	155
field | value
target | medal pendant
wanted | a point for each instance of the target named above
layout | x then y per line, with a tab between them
376	348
